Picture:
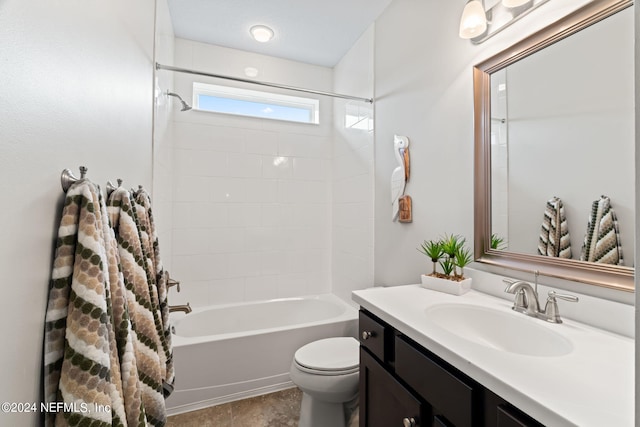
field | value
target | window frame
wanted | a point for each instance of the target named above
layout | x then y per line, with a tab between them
311	105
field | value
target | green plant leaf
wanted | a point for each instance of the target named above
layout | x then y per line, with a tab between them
451	243
447	266
432	249
497	242
463	257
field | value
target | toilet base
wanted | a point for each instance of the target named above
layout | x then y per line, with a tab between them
316	413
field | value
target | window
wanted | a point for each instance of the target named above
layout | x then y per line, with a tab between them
252	103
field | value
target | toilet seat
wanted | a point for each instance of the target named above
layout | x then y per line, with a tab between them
330	356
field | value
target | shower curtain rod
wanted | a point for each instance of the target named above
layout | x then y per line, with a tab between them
256	82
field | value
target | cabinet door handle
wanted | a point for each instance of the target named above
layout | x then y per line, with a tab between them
367	334
409	422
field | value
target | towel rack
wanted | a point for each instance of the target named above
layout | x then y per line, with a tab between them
67	178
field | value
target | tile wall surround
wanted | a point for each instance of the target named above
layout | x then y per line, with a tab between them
250	213
263	209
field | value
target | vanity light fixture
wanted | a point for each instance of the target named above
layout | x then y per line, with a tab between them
474	20
478	23
261	33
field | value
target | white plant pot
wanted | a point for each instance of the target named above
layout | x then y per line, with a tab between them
444	285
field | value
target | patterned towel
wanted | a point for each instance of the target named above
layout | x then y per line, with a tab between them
81	362
143	304
602	239
158	277
124	342
554	236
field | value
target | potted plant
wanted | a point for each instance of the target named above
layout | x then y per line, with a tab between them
451	254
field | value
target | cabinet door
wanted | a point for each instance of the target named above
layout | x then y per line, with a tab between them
509	417
384	402
440	421
376	336
451	395
500	413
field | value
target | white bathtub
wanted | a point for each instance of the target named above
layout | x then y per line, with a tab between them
230	352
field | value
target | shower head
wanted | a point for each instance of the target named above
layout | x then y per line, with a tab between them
185	106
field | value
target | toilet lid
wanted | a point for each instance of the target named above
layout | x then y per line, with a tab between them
330	354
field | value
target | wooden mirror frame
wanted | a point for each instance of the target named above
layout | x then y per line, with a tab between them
610	276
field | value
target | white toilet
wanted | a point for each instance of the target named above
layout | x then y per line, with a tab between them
327	373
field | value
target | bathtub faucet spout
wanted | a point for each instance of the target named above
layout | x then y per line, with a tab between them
184	308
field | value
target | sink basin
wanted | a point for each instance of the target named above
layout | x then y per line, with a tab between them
500	330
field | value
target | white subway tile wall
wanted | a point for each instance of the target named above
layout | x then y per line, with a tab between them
264	209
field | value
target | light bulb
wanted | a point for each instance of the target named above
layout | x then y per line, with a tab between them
474	20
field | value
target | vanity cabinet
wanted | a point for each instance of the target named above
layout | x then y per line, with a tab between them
389	402
403	384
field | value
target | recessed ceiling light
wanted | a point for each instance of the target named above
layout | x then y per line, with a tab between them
251	72
261	33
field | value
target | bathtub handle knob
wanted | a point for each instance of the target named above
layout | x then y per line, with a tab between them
172	282
366	335
409	422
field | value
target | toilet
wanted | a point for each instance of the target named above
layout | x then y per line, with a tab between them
327	372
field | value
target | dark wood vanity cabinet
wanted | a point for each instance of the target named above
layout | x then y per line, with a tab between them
389	403
403	384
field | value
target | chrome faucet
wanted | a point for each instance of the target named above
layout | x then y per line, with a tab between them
526	297
186	308
526	301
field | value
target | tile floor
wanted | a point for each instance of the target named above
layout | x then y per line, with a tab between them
280	409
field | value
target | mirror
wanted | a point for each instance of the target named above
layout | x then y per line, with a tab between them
554	127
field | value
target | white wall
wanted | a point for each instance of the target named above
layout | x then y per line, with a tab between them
251	211
162	133
76	90
423	88
352	213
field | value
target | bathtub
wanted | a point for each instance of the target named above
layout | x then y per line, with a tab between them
235	351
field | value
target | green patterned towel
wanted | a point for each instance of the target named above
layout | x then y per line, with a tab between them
554	238
158	277
143	303
81	362
602	240
124	340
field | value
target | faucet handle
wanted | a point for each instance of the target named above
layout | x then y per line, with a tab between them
172	282
551	309
566	297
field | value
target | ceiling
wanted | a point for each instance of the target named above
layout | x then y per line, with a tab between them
309	31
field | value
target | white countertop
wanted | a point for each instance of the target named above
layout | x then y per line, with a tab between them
593	385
